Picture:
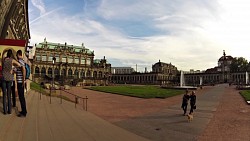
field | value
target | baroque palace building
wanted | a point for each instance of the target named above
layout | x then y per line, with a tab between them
167	74
162	74
72	65
14	21
218	74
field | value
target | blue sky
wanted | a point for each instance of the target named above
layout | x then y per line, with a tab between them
191	34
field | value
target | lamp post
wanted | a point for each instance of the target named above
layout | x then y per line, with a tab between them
53	62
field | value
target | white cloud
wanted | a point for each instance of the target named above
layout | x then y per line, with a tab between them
193	33
39	4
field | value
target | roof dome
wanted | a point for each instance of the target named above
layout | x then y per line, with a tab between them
227	58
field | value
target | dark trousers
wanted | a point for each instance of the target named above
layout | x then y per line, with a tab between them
20	89
13	92
184	107
6	88
192	108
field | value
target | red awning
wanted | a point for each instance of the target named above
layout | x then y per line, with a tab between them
12	42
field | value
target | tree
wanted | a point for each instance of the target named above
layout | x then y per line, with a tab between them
248	67
239	64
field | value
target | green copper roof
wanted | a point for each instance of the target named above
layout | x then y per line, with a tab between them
97	61
77	49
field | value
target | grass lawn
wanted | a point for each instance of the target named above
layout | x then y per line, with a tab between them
36	87
139	91
246	94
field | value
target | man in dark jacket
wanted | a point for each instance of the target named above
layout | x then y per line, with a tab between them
192	102
184	105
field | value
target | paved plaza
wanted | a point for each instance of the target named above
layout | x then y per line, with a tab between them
221	114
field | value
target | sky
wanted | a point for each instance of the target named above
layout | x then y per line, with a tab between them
190	34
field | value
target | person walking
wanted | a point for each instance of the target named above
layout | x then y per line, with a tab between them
20	78
7	80
192	102
184	104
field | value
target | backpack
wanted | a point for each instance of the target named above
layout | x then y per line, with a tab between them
27	68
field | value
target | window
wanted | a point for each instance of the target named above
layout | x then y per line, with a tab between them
38	57
82	73
95	74
37	71
56	72
88	62
43	72
63	73
70	59
76	73
77	60
64	59
57	58
50	72
50	58
83	61
44	58
88	74
70	72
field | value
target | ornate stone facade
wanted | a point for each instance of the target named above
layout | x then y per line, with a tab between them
218	74
73	65
14	21
162	74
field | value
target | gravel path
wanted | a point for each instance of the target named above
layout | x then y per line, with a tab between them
231	120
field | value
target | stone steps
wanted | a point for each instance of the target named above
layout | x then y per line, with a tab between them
58	122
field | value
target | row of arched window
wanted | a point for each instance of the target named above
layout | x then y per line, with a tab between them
78	73
142	78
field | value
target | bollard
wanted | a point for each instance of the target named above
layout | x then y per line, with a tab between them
61	94
86	103
50	96
76	101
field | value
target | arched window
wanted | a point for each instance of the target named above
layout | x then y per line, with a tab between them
100	74
70	72
37	71
88	73
63	73
43	72
82	73
56	71
50	72
95	74
76	73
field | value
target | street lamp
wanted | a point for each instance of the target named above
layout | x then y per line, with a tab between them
53	62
